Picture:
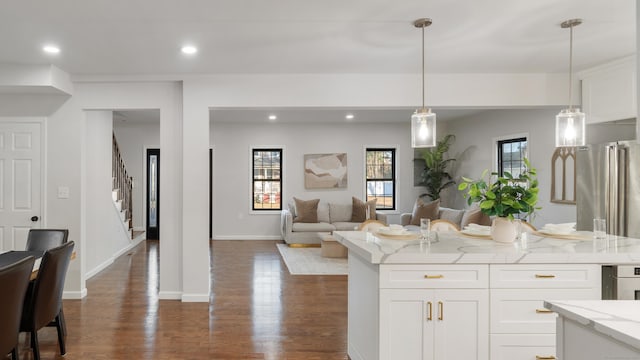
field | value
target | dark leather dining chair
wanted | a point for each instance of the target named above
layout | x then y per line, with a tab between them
43	302
14	279
45	239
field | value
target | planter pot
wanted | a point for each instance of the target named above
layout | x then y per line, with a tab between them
503	230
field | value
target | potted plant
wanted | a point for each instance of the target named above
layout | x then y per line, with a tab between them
503	197
435	175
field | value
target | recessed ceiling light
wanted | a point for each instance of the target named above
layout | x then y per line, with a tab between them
272	117
349	116
51	49
189	50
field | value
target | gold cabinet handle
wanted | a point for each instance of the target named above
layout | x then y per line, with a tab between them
440	310
429	311
544	311
545	276
434	276
550	357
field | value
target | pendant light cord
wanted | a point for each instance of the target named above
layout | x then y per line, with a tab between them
423	87
571	68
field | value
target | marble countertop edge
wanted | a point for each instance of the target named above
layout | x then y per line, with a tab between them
618	319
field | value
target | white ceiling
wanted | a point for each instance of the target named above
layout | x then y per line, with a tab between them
329	115
304	36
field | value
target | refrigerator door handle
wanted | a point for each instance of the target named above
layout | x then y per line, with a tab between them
623	188
611	187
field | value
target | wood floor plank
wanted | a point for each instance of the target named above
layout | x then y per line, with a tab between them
257	310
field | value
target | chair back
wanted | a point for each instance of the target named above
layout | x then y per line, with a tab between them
14	280
45	239
371	225
443	225
527	227
46	298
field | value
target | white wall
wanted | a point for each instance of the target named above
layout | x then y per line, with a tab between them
106	235
475	139
233	218
134	139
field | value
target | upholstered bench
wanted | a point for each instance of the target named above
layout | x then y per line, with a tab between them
331	248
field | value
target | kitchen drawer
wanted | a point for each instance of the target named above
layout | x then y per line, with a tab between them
434	276
523	347
561	276
521	311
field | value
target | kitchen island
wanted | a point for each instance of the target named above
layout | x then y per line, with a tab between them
460	297
604	329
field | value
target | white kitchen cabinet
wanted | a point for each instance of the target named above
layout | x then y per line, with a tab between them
432	324
609	91
523	347
521	327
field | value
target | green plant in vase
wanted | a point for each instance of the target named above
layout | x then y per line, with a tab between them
504	196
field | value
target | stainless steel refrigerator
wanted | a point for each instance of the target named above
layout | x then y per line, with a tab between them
608	187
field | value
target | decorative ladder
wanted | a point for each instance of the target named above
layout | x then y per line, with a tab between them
122	186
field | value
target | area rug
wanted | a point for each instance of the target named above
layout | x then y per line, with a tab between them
308	261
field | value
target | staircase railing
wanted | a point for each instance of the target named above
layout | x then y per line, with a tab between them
122	182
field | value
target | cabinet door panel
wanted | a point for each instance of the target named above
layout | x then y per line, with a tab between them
405	331
522	310
462	325
545	276
434	276
522	346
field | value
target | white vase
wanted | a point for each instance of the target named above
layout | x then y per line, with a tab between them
503	230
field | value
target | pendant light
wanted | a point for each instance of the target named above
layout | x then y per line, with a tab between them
423	121
570	122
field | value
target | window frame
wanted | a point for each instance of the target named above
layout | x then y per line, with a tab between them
253	179
393	179
497	157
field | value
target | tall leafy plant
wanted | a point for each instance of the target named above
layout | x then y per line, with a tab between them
435	175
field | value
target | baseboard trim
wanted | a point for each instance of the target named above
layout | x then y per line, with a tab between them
195	297
169	295
110	261
246	237
99	268
74	295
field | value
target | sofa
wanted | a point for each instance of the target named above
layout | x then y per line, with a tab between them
433	211
331	216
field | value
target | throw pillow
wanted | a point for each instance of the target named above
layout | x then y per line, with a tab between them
474	216
424	210
339	212
359	210
306	210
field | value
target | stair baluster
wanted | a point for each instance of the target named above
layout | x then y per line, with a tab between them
123	183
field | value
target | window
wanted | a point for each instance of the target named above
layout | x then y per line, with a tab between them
381	177
511	153
267	183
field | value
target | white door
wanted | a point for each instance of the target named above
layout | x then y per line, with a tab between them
462	326
406	324
20	182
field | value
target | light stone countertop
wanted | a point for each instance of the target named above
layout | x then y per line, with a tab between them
456	248
619	319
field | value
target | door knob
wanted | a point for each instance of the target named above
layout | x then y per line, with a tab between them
34	218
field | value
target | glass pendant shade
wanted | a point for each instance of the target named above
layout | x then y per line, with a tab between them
570	128
423	129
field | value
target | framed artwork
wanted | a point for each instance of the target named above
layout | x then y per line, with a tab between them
325	171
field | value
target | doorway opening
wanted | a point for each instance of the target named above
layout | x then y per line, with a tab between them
153	194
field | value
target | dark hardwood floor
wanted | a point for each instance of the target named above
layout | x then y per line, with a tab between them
257	310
